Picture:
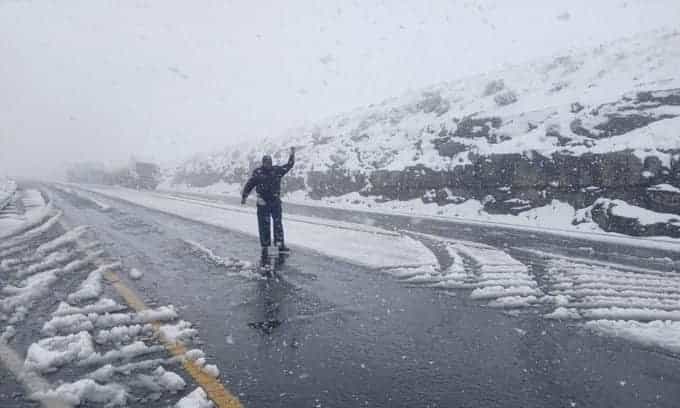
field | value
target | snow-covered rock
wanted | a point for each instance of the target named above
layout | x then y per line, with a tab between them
619	216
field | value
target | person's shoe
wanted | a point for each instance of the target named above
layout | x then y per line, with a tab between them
283	248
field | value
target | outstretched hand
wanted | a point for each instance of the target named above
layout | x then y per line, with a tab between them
292	150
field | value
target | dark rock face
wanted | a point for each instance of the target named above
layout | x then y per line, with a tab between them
663	201
441	197
433	102
602	213
471	127
494	87
658	98
526	182
626	115
616	125
407	184
505	98
290	184
333	183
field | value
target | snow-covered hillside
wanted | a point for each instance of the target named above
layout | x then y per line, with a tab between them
602	123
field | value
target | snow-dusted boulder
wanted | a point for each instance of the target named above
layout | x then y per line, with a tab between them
619	216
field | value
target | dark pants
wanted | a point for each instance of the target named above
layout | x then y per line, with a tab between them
270	210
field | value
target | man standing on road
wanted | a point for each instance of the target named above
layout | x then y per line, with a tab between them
266	180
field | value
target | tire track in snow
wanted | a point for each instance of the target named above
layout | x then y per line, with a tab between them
492	274
638	304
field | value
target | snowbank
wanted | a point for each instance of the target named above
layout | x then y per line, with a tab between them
644	216
355	243
664	187
39	216
664	334
197	399
87	390
53	352
7	190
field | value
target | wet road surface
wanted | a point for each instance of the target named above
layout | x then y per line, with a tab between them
317	332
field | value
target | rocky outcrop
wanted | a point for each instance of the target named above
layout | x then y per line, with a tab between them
335	182
603	212
628	114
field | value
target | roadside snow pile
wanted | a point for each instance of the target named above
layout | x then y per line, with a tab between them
91	288
555	215
243	268
136	274
103	305
181	332
197	399
120	335
221	187
600	291
104	339
492	274
638	304
68	238
83	196
32	199
79	392
562	313
114	356
663	334
665	188
7	190
76	322
50	353
38	216
36	274
162	380
619	216
499	278
645	217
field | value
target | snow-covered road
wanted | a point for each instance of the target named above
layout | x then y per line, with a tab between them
64	309
354	243
464	316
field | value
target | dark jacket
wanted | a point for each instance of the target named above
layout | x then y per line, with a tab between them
267	181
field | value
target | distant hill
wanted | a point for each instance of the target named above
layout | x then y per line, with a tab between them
602	123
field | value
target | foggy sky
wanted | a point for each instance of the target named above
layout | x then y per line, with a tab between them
162	79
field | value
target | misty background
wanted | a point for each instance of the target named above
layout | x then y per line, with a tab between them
161	80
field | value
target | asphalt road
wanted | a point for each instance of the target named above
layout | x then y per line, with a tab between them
317	332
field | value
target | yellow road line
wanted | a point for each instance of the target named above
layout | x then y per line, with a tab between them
215	390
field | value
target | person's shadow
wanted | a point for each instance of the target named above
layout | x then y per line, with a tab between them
271	291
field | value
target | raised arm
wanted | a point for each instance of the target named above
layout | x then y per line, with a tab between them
291	161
